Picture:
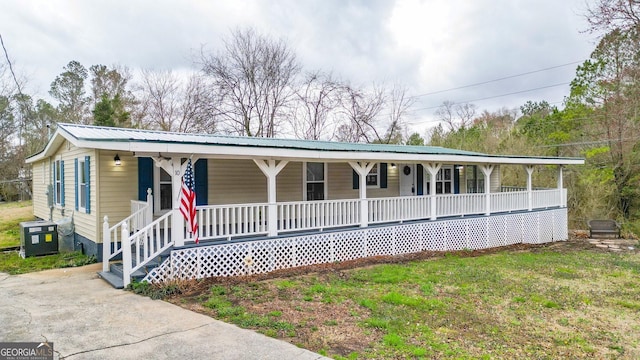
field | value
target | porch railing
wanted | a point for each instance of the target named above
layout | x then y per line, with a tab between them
460	204
397	209
304	215
509	201
225	221
545	198
112	238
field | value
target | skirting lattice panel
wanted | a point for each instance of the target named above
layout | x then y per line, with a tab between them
262	256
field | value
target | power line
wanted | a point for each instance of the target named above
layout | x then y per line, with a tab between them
496	80
489	97
6	55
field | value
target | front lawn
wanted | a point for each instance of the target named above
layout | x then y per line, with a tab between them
565	300
11	215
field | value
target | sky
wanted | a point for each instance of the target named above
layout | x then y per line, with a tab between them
427	46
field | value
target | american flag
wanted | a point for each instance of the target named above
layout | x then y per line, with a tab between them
188	201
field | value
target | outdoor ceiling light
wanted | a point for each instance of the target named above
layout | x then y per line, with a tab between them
393	165
116	160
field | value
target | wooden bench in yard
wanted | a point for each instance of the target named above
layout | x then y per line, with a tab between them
604	227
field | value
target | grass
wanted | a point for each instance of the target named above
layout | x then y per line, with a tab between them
11	215
12	263
544	303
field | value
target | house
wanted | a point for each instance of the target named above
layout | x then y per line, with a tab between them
266	203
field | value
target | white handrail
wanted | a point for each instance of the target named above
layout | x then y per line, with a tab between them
145	245
141	215
398	208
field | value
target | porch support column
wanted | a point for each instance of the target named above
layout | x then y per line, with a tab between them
175	168
177	222
486	171
363	169
432	169
529	169
271	169
560	187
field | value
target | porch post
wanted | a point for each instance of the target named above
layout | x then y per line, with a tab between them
106	244
560	187
177	222
433	169
271	170
363	168
486	171
529	169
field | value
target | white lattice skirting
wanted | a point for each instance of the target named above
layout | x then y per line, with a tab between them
262	256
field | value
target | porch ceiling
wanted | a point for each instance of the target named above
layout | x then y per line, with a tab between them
146	143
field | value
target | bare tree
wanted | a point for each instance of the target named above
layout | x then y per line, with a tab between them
608	15
173	104
456	115
360	109
253	77
398	104
317	100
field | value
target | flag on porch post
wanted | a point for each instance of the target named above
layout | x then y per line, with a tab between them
188	201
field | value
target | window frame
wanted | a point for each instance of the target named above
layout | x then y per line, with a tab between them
82	185
375	167
306	181
58	182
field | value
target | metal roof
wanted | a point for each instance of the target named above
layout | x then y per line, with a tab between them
146	142
98	133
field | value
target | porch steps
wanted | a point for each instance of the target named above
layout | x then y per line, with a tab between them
114	275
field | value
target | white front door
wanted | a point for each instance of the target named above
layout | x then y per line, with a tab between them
407	173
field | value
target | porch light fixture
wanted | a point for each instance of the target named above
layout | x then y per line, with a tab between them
393	165
117	161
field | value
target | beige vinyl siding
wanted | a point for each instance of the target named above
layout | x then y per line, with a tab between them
85	224
289	183
118	185
340	177
40	182
236	182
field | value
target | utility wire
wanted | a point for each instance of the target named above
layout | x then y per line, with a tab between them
6	55
496	80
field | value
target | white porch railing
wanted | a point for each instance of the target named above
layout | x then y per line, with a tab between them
141	215
509	201
305	215
225	221
546	198
398	209
460	204
145	245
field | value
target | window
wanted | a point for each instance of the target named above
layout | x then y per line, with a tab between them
444	181
58	182
314	178
372	177
82	185
475	179
165	190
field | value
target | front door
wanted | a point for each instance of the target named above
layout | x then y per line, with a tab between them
407	175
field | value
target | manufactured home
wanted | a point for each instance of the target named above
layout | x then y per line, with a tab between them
265	204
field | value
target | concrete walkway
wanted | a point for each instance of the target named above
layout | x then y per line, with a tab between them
85	318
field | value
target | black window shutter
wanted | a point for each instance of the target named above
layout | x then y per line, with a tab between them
382	173
356	180
202	179
419	179
456	179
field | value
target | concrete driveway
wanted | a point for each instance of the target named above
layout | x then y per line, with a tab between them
85	318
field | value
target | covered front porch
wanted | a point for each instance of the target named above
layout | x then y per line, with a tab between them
146	235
